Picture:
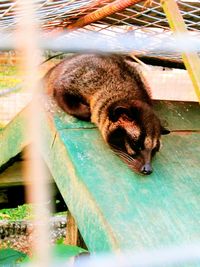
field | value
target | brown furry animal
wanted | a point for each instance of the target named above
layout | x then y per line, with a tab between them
112	93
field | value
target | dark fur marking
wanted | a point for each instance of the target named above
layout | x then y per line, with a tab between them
74	105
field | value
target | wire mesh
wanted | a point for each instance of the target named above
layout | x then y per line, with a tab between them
141	28
60	14
145	18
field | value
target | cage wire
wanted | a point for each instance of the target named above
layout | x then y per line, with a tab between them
145	16
141	29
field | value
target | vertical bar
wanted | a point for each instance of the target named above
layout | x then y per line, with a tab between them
190	59
37	190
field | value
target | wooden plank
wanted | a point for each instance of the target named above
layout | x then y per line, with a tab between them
12	138
178	115
12	176
116	209
174	85
191	59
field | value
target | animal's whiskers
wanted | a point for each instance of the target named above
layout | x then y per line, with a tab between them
124	156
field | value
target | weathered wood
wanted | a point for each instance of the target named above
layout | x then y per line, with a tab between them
178	115
12	176
12	138
117	209
71	231
170	85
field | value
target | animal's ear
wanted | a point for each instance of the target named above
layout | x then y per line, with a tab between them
115	112
164	131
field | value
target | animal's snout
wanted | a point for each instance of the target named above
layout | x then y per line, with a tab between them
146	169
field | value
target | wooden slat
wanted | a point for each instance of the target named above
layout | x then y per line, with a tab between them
12	176
178	115
12	138
114	208
117	209
174	85
174	114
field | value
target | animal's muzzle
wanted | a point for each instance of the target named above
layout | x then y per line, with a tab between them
146	169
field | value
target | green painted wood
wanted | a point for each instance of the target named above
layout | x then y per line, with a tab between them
175	115
114	207
12	138
118	209
12	176
178	115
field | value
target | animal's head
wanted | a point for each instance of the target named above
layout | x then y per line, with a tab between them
134	134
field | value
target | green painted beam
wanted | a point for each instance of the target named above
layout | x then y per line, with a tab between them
177	115
12	138
115	208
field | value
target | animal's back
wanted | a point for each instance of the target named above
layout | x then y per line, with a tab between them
110	91
90	75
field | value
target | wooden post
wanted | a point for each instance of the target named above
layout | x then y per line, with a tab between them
191	59
72	231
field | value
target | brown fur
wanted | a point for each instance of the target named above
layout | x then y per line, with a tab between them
112	93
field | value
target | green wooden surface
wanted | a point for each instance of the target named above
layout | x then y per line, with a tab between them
114	207
12	138
12	176
176	115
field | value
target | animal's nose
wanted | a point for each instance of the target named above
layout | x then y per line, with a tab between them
146	169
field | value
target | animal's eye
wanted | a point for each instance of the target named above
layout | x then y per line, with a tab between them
129	149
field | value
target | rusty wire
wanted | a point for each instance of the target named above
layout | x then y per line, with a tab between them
61	13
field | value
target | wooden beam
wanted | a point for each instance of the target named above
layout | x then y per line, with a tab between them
191	59
12	137
71	231
114	208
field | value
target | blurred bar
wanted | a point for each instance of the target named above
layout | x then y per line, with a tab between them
34	170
